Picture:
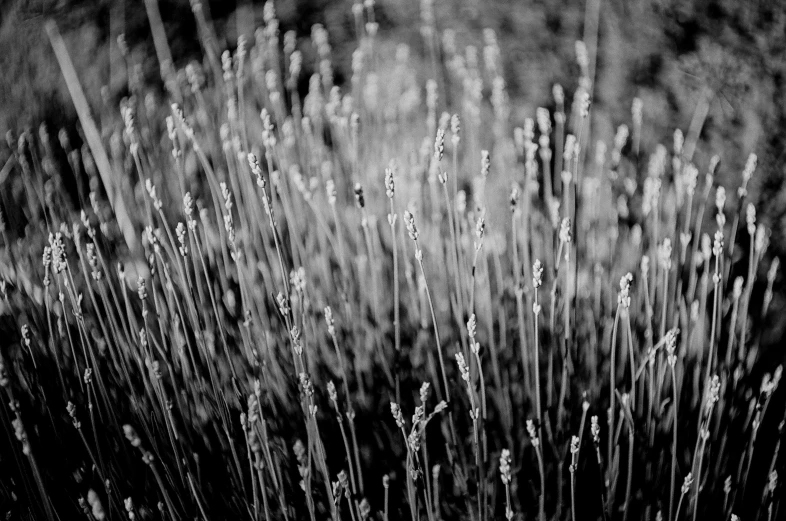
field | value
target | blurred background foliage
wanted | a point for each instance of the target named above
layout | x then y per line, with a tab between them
675	55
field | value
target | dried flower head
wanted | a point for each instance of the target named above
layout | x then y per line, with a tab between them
463	369
636	111
664	254
412	229
439	145
537	274
558	93
424	392
623	298
687	483
714	395
504	466
750	167
750	218
331	325
330	189
720	198
390	183
332	394
532	433
395	410
595	429
717	246
485	163
564	231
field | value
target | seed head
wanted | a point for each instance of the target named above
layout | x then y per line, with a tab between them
485	163
420	412
71	409
636	111
584	103
687	483
570	145
750	218
297	277
671	345
574	445
412	229
283	303
424	392
706	247
504	466
717	247
692	178
180	231
472	326
720	198
645	266
390	183
714	394
395	410
330	189
439	145
141	288
431	94
332	394
544	120
762	239
558	93
131	435
463	369
532	433
651	194
480	228
595	429
57	248
624	296
268	130
564	231
750	167
151	192
537	274
306	385
365	509
455	128
664	254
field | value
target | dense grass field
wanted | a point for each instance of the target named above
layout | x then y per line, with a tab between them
384	299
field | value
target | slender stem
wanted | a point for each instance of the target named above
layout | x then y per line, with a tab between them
542	498
679	506
715	302
612	392
454	250
537	371
698	478
629	485
396	297
672	482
